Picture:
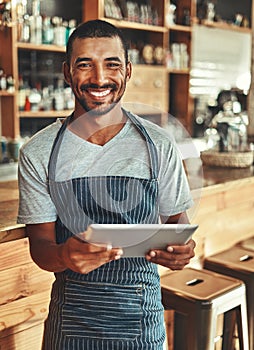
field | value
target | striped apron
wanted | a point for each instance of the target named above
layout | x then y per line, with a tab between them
118	305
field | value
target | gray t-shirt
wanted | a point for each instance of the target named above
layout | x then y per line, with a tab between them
126	154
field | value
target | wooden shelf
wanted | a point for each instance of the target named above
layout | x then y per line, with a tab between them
43	47
178	71
135	25
180	28
4	93
225	26
44	114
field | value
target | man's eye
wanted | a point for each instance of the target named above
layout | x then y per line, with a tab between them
113	64
84	65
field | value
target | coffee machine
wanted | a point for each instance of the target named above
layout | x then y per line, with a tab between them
230	122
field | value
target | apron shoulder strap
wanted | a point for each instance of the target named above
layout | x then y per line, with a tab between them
150	144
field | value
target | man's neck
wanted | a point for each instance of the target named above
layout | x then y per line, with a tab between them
98	129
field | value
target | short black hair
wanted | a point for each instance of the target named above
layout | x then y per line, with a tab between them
96	29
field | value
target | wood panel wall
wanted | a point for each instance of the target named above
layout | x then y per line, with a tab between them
24	297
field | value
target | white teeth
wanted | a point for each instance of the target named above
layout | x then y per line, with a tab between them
100	93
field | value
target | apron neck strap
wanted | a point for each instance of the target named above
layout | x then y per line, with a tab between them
59	137
150	144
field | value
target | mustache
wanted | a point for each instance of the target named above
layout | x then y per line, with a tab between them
95	86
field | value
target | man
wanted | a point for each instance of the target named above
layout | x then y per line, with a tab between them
101	165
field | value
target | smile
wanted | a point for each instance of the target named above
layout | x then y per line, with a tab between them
99	93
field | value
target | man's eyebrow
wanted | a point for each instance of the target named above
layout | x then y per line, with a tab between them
81	59
116	58
87	59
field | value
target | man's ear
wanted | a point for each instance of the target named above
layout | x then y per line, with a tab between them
66	72
128	70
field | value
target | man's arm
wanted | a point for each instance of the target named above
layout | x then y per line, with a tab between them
181	218
74	254
174	257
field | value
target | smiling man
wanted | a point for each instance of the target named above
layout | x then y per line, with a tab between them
97	80
102	164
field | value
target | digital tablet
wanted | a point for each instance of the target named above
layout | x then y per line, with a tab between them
137	239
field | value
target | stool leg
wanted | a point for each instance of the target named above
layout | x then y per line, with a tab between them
241	329
181	339
206	328
242	326
229	324
197	330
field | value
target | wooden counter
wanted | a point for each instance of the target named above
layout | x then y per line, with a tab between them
24	287
9	195
223	210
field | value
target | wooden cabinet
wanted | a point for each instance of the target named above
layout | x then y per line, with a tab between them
180	36
151	83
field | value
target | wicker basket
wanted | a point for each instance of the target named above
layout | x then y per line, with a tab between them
227	159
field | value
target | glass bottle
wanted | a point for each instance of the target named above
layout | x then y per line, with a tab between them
59	102
25	35
186	17
184	56
47	31
36	24
70	28
59	31
21	94
21	10
3	81
35	98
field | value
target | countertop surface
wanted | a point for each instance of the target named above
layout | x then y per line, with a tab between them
9	229
9	196
8	203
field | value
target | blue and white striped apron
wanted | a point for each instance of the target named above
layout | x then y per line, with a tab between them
118	305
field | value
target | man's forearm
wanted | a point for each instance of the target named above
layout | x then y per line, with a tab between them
47	255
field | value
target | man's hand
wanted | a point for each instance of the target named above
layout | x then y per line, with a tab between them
74	254
83	257
174	257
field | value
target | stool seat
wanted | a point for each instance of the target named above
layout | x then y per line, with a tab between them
237	262
247	243
199	297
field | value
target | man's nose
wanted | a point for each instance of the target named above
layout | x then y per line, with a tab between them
99	75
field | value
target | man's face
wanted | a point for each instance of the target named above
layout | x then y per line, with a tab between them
97	73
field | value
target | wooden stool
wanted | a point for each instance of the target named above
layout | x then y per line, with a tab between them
247	243
237	262
200	296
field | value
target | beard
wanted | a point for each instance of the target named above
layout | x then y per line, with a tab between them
98	108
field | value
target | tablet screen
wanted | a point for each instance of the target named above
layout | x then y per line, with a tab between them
138	239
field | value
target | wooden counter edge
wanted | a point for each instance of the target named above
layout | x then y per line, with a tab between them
12	233
223	187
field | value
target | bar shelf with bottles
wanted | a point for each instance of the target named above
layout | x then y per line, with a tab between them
45	114
141	21
225	26
237	17
4	93
142	15
41	41
135	25
41	47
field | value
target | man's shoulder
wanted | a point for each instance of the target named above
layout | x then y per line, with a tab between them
43	139
157	133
